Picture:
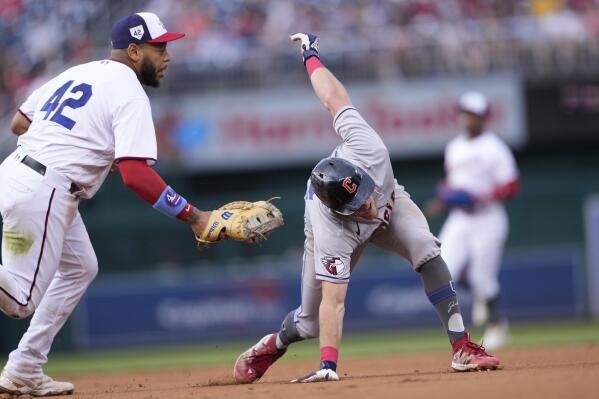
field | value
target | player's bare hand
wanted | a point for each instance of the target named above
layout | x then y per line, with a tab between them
433	208
199	221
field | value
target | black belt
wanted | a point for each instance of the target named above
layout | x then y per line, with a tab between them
41	169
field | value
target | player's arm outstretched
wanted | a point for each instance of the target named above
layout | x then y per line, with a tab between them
243	221
327	87
20	123
148	185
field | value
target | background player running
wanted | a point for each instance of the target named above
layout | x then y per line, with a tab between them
353	199
481	174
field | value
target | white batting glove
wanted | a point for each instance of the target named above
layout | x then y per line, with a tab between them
319	376
309	44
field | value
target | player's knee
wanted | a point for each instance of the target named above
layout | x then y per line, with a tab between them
90	267
308	328
426	249
289	332
484	286
19	312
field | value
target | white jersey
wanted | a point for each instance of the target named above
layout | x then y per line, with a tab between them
479	165
86	118
337	237
473	240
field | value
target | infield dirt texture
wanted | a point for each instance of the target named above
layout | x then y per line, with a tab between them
562	369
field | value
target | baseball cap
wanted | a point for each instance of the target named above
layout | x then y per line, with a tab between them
143	27
341	185
474	102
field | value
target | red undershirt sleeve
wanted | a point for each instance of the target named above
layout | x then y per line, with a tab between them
145	182
507	190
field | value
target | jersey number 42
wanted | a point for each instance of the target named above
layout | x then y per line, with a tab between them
54	103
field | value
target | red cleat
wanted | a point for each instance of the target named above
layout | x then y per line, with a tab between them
253	363
469	356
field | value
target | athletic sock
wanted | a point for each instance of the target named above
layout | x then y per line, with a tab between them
441	292
279	343
495	316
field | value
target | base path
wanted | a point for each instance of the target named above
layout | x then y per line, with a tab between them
560	372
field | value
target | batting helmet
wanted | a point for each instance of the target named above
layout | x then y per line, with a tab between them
341	185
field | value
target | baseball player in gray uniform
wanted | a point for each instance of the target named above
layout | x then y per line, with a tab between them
352	200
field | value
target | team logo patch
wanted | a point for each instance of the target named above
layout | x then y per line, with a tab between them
333	264
172	198
137	31
349	186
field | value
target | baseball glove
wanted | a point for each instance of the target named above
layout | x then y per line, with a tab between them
243	221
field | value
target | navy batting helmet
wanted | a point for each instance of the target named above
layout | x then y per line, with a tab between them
341	185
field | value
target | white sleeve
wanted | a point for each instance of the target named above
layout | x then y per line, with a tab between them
446	155
358	136
505	169
31	103
332	258
134	134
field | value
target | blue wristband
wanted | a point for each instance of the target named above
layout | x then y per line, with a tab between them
170	203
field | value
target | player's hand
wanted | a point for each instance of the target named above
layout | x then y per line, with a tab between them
433	208
309	44
319	376
200	221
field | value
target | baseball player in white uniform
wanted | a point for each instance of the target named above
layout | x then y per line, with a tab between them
481	173
353	199
71	131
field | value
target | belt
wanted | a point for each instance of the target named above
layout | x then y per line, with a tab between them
41	169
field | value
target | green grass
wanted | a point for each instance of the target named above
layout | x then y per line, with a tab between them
354	345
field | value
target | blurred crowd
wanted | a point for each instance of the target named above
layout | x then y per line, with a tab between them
233	38
226	33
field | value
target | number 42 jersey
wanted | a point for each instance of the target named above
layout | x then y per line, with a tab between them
86	118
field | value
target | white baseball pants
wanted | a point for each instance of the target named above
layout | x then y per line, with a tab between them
476	239
48	259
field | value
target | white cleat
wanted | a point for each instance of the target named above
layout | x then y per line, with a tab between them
496	335
47	387
319	376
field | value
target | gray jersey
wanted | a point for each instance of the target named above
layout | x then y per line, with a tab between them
336	238
334	243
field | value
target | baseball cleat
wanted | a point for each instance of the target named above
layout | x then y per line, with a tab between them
468	356
496	335
253	363
47	386
319	376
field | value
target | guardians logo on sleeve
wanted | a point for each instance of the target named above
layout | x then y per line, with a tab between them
333	264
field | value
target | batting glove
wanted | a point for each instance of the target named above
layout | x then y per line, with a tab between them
319	376
309	44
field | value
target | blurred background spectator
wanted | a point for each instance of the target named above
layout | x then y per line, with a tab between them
248	38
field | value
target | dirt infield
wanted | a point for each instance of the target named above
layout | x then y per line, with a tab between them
561	372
